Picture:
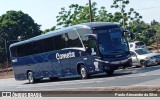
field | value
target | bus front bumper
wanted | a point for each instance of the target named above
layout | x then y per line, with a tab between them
118	64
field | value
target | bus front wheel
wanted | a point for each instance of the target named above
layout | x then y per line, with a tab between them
83	72
109	72
31	78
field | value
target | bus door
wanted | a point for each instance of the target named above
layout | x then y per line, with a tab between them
93	50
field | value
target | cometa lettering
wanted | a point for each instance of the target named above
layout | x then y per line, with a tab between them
66	55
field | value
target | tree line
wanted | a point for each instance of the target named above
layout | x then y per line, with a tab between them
16	24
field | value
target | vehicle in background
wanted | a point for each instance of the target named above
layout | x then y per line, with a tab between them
137	44
82	50
143	57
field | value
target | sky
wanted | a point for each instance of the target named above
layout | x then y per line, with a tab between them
44	12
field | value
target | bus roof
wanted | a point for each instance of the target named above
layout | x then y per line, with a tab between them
99	24
89	25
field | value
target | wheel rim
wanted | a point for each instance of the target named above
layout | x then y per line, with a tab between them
83	72
30	77
142	63
145	64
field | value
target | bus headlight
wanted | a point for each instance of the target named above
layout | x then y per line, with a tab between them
106	62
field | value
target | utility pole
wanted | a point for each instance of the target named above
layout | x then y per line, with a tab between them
90	11
124	26
6	49
123	16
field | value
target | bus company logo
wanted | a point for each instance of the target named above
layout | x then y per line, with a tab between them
66	55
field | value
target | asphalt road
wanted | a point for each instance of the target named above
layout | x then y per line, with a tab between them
149	76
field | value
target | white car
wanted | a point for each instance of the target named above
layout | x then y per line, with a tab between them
137	44
143	57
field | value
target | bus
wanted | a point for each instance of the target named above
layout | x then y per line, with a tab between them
84	50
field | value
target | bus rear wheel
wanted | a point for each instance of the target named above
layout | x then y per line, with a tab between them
31	78
83	72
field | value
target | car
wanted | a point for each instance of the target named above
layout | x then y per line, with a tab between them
143	57
137	44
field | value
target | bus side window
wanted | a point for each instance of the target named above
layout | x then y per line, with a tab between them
20	51
72	39
14	52
59	42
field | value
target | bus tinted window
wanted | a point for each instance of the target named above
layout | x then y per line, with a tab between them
48	44
14	51
20	51
37	47
82	33
44	45
111	39
72	39
28	49
59	42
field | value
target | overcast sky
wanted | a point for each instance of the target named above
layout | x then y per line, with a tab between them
44	12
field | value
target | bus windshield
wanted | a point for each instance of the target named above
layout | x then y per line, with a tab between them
111	41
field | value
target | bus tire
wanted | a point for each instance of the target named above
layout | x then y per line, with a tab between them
31	78
109	72
83	72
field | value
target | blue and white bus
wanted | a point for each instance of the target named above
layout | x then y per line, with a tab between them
83	50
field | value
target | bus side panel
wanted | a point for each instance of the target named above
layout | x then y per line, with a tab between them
42	65
19	72
93	65
69	65
47	66
20	67
69	61
56	66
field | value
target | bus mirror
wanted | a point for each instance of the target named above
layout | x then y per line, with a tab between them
130	34
91	36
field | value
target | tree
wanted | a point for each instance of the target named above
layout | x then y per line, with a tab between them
14	24
154	23
67	18
125	16
156	27
77	14
143	31
48	30
103	15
